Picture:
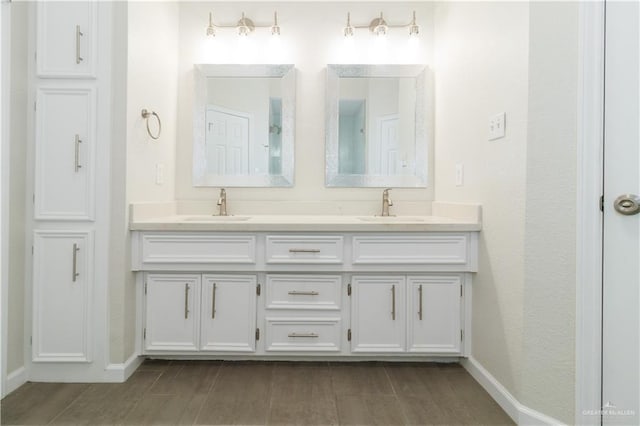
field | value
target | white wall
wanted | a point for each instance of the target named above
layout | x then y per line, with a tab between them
550	231
311	39
17	187
482	69
151	61
4	194
521	59
122	306
153	32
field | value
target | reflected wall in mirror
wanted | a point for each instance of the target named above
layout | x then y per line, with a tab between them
378	125
243	125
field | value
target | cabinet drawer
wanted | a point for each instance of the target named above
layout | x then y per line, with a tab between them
303	334
303	292
304	249
197	248
448	249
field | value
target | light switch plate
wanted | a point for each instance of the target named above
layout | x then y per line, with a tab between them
459	174
159	174
497	126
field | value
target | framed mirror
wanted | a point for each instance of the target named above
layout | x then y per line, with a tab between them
243	125
378	125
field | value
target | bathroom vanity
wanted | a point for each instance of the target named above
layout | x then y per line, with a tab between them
286	287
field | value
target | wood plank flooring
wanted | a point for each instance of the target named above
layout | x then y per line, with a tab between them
263	393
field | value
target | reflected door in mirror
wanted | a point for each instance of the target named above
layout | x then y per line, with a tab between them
377	132
227	139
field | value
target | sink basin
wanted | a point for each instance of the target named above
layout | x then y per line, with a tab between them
211	218
391	219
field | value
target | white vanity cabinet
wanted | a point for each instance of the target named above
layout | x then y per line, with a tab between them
299	294
435	314
228	306
378	314
172	314
66	39
199	312
415	314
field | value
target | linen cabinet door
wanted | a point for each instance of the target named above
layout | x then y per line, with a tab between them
435	314
172	312
65	137
228	313
62	294
378	315
66	39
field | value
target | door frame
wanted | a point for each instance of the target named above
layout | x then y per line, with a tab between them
590	126
5	56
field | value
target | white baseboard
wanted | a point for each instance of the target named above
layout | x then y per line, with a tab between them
119	373
15	379
520	414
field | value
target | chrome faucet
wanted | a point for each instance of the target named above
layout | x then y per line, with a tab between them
222	202
386	202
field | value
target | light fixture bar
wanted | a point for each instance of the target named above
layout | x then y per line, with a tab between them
244	26
379	26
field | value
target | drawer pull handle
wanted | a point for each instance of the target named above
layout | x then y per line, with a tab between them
77	151
78	35
303	335
303	293
299	250
420	299
213	301
75	272
186	301
393	302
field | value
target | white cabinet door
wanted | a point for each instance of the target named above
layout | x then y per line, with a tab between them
434	314
65	138
62	288
66	39
378	315
172	312
228	313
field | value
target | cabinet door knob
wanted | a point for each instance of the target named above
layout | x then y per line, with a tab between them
420	302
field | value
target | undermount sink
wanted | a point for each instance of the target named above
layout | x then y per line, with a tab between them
212	218
391	219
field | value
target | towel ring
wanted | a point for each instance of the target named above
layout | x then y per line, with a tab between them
146	114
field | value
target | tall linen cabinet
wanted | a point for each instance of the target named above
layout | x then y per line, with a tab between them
69	152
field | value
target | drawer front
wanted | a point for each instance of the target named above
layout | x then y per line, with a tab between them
194	248
303	334
303	292
304	249
449	249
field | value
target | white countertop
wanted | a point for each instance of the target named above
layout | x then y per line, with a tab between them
306	223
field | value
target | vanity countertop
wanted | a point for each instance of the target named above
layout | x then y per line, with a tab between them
306	223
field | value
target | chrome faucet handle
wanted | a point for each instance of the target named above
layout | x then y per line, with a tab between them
222	202
386	195
386	202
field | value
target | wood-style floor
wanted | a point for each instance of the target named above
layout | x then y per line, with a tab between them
261	393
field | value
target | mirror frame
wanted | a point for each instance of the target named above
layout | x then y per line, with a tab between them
423	125
286	72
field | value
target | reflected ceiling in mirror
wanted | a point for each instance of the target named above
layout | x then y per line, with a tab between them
378	125
244	117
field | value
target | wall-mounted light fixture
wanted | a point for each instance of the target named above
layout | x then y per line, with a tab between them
380	27
244	26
